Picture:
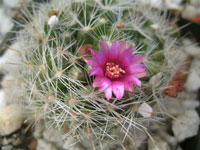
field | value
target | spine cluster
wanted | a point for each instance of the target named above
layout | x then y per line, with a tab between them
55	79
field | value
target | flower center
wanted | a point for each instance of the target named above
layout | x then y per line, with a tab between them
113	71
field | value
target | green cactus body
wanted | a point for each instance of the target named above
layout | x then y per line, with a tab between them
57	83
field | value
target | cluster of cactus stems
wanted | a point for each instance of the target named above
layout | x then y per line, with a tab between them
55	78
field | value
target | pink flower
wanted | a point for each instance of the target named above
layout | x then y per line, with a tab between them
116	68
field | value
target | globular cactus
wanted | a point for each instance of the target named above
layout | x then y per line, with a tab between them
64	40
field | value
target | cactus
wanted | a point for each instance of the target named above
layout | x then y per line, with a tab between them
57	87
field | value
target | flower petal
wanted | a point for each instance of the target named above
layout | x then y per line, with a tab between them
138	59
132	79
131	58
104	48
124	55
108	92
114	51
140	75
105	83
90	61
135	68
118	89
127	52
122	46
98	57
128	86
97	81
96	71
